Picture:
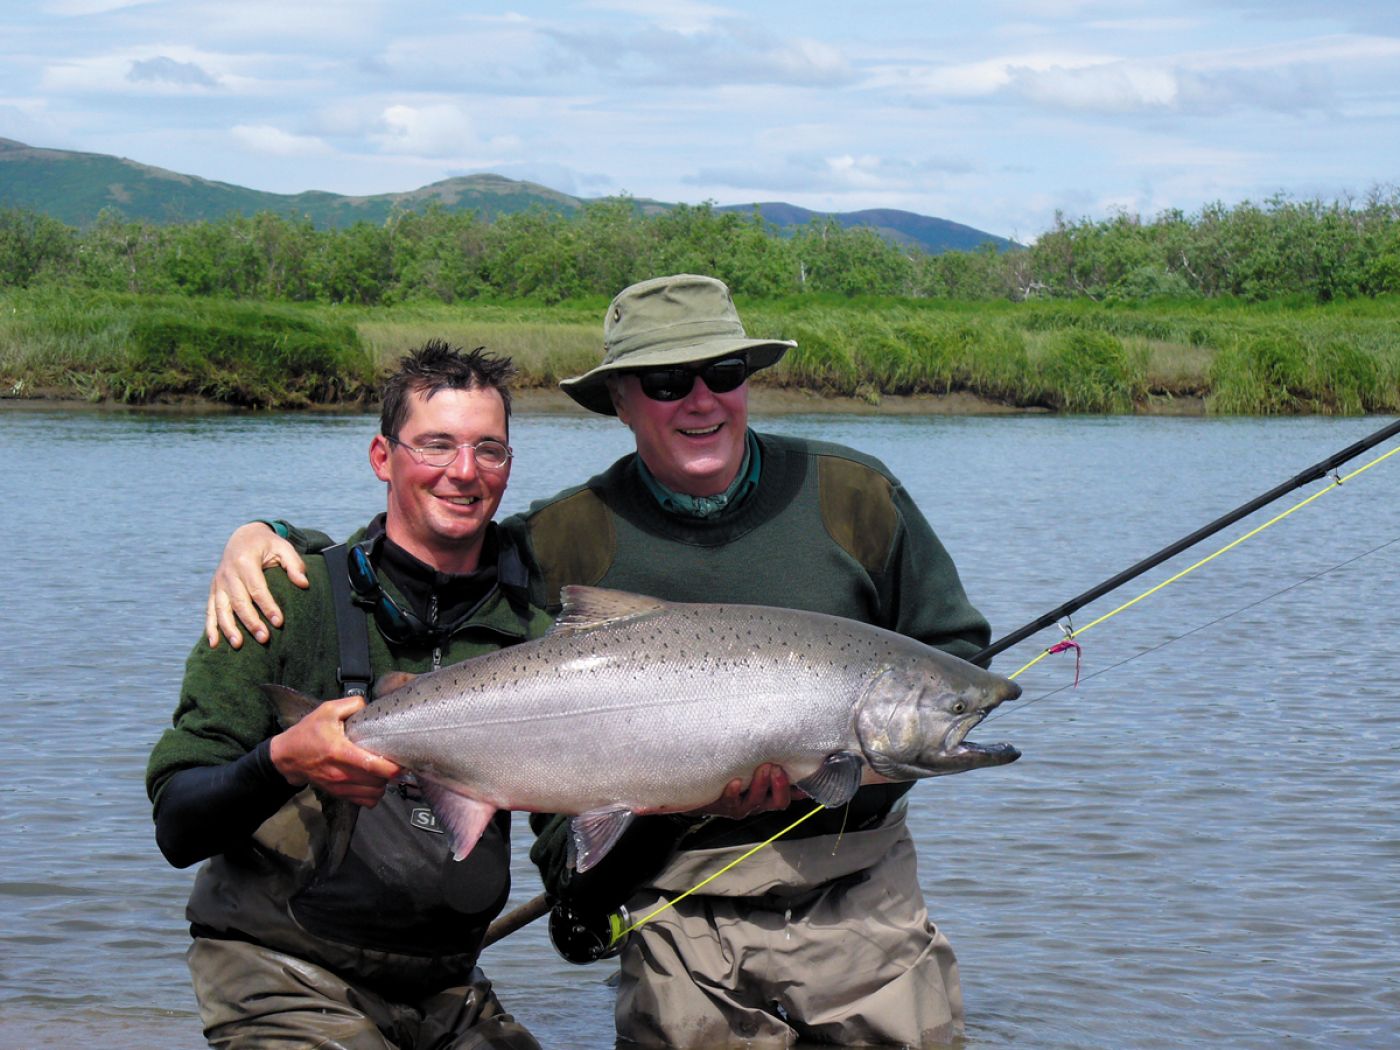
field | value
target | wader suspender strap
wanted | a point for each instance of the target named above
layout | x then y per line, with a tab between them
351	627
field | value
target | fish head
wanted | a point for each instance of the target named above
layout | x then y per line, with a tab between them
912	720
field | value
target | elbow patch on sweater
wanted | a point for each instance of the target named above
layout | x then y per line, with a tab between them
574	542
858	510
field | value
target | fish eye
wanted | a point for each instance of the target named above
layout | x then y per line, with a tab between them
959	707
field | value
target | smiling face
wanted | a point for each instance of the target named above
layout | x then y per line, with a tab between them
439	514
693	446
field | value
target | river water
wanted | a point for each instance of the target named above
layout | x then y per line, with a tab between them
1200	846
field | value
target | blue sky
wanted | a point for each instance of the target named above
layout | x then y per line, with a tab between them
995	113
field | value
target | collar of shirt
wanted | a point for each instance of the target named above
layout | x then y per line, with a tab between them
745	481
420	583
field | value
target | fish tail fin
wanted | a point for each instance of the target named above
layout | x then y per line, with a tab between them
340	819
340	816
292	706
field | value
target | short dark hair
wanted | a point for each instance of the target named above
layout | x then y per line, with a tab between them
437	366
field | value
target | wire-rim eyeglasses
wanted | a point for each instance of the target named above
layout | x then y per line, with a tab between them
488	453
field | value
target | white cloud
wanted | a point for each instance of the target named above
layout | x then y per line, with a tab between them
264	139
71	8
165	69
1116	88
158	70
727	52
680	16
322	27
433	130
845	173
980	78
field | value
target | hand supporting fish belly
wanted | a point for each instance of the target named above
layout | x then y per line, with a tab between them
682	699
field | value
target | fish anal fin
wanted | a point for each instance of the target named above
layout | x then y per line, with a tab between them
464	818
836	779
588	607
593	833
387	683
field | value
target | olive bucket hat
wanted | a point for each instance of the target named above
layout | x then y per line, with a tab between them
678	320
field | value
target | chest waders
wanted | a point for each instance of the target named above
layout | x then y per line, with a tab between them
394	829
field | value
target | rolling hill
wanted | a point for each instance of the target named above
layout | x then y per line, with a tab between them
75	187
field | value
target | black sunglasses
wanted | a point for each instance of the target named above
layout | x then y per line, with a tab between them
399	625
672	384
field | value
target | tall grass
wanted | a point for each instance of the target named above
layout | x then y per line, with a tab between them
1068	357
1088	371
1287	372
151	348
868	353
545	353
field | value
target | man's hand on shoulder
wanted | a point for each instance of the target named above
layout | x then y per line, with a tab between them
238	593
317	751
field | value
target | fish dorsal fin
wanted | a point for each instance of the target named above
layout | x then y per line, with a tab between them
588	607
836	779
387	683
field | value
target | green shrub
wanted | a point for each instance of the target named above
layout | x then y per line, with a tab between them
1348	379
1085	371
823	358
244	355
1264	374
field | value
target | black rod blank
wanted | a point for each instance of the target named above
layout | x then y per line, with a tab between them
1314	472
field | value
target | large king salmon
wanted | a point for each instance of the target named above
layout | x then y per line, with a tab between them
634	705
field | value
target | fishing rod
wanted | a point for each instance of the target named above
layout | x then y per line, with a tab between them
1312	473
517	918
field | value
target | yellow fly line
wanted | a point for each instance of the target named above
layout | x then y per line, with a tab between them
1336	483
710	878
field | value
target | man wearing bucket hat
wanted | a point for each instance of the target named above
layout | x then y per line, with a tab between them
825	935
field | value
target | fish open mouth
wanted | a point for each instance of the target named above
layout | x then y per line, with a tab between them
956	737
957	750
974	754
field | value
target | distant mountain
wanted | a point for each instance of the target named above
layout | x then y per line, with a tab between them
75	187
902	227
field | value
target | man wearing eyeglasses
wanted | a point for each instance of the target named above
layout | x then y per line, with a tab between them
825	936
292	947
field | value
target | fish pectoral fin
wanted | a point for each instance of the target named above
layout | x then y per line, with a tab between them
593	833
836	779
387	683
464	818
588	607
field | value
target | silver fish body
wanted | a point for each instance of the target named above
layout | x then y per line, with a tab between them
634	705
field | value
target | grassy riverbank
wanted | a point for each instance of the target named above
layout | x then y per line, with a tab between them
1070	356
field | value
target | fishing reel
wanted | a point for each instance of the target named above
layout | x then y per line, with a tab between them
581	937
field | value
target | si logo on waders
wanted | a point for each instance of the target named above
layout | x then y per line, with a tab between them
423	819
